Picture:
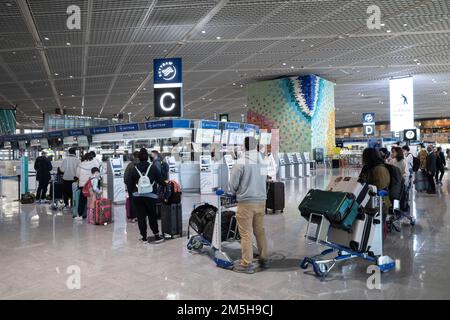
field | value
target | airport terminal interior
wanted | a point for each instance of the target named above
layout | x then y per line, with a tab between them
312	136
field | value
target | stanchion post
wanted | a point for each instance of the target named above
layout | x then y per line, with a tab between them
18	192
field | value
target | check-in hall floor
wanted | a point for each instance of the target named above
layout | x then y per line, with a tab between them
40	250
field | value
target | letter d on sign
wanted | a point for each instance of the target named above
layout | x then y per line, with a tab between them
74	20
374	21
374	281
74	280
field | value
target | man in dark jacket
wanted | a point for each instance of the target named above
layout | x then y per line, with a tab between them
146	204
440	165
127	180
431	169
43	166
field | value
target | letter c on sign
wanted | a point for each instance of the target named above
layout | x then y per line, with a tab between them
161	102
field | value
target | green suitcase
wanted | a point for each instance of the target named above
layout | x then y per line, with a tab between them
339	208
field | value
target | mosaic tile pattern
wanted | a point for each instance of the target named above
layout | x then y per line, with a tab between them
301	107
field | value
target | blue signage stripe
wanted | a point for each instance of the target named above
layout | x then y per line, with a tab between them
76	132
181	123
210	125
127	127
99	130
232	126
55	134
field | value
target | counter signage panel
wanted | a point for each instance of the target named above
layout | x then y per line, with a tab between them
55	134
127	127
210	125
76	132
44	143
232	126
99	130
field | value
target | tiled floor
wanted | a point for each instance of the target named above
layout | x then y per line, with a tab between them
37	246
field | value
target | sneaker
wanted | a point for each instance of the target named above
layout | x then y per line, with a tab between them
263	264
143	239
250	269
158	239
78	218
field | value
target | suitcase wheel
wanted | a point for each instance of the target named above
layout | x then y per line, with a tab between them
320	269
413	222
304	265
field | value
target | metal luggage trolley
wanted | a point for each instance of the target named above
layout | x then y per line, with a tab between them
402	209
56	202
198	242
322	265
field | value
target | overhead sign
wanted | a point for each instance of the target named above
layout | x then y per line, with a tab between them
224	117
99	130
402	103
368	118
210	125
55	134
167	124
410	135
76	132
127	127
168	87
369	130
232	126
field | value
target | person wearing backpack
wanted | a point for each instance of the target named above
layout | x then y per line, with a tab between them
43	166
409	159
144	181
431	169
374	172
92	190
84	174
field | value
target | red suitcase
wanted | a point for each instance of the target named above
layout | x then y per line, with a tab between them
103	211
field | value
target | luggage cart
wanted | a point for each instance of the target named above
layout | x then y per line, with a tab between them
198	242
401	210
57	203
322	265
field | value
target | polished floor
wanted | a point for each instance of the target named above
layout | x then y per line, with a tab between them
38	248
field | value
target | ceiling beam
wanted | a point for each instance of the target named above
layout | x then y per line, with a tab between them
86	41
31	25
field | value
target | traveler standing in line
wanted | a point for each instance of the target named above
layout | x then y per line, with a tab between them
99	163
43	166
248	182
409	159
145	204
69	168
398	160
127	180
440	165
431	169
374	172
84	174
95	193
423	157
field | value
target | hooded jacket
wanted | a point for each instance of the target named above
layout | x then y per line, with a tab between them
69	167
84	171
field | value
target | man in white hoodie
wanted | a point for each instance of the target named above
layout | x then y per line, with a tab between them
69	168
248	181
84	174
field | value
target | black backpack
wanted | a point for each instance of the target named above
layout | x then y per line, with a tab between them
416	164
396	184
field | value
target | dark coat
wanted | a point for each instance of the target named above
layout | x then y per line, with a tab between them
440	161
43	166
431	163
154	174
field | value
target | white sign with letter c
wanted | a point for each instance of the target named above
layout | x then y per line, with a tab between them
161	102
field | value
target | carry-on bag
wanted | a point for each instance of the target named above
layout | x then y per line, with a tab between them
56	190
103	211
228	227
339	208
171	219
128	209
275	196
421	181
361	191
75	198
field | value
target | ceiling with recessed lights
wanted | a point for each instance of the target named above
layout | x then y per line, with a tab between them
105	67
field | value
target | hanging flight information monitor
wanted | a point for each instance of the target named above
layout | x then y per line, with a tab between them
402	103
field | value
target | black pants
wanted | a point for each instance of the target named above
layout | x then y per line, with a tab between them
82	203
440	174
132	205
146	208
67	192
431	182
41	192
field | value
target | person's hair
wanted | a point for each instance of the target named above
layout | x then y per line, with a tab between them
384	153
94	170
422	145
439	149
72	150
43	153
135	155
156	152
250	144
399	156
371	157
87	157
406	148
93	154
143	155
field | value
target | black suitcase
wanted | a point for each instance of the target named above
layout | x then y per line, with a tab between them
171	219
56	190
275	196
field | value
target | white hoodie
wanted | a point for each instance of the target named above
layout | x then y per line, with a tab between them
84	171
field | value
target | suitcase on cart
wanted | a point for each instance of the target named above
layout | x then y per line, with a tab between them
275	196
102	212
171	219
362	191
421	181
361	237
339	208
